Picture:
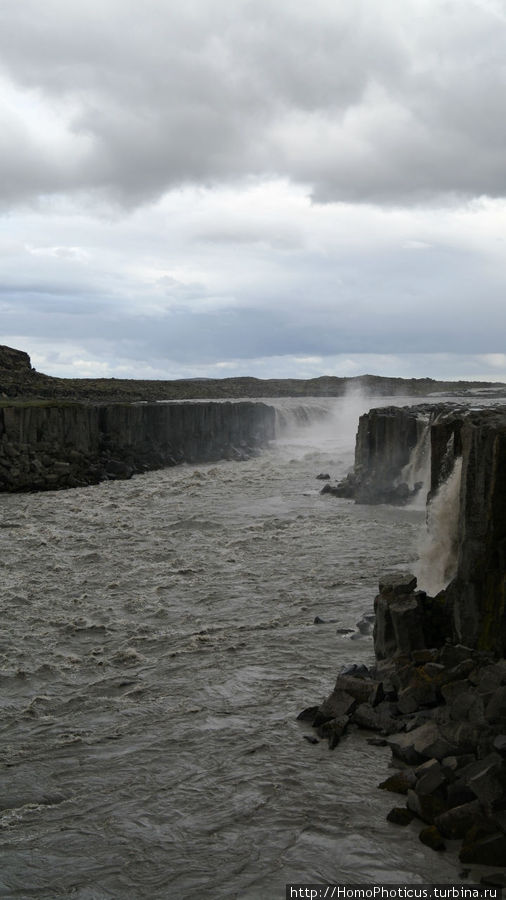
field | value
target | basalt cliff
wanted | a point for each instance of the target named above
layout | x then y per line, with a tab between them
437	692
60	445
404	452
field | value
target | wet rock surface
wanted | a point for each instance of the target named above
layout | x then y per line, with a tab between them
448	742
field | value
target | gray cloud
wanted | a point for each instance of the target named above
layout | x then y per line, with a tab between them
385	102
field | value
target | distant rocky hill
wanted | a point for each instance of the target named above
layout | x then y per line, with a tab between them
19	381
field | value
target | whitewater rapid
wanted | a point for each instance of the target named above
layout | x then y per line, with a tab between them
158	644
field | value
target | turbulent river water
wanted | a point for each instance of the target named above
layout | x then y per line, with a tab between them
158	643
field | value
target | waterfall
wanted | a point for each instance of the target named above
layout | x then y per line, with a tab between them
439	547
416	472
292	417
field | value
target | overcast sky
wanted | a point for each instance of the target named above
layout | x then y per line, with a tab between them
231	187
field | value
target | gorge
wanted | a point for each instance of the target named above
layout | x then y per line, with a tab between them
163	631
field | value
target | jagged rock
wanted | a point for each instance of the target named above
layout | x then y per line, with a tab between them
492	677
400	815
338	703
400	782
458	793
429	777
499	744
455	823
419	692
362	689
366	623
432	838
423	742
399	625
453	689
451	764
426	806
379	718
357	670
334	730
397	583
330	489
485	851
116	468
463	737
496	707
14	361
458	672
468	706
485	779
308	714
452	654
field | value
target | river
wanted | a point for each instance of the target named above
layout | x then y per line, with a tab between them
158	644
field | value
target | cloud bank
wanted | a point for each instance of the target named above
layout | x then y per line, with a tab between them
186	189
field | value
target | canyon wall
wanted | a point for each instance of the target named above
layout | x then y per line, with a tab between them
386	439
48	445
474	603
478	591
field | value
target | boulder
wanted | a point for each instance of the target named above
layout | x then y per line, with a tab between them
495	710
426	806
400	782
363	690
429	776
432	838
397	583
379	718
486	851
333	730
423	742
400	815
398	627
338	703
455	823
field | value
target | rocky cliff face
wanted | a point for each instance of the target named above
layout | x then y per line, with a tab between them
478	592
437	694
386	441
48	446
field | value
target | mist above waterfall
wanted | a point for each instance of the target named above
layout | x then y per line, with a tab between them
327	423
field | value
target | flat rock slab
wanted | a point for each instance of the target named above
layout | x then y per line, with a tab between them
397	583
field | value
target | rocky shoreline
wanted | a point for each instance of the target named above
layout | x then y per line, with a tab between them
442	711
437	692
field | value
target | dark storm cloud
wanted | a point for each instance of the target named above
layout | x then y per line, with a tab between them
383	102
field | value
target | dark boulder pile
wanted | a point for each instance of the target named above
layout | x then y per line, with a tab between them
442	712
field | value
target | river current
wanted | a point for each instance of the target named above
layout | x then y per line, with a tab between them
158	643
